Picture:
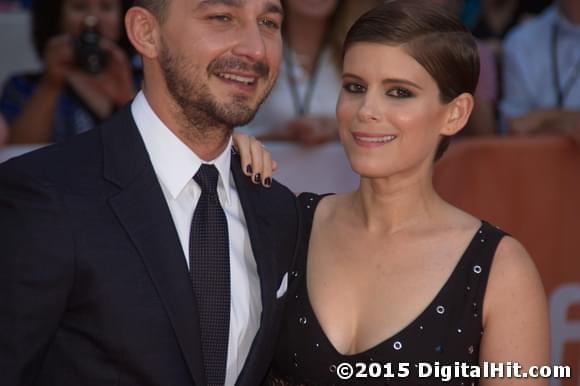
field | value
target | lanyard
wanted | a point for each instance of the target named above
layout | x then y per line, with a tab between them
301	106
561	93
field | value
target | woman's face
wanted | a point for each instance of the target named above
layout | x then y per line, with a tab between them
108	13
389	113
315	9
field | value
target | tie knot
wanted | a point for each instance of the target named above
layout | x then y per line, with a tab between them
207	178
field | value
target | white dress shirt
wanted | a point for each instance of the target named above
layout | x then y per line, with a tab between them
175	164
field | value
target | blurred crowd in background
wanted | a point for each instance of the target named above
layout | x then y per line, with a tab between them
529	52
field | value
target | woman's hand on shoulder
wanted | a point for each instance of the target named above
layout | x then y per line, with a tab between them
256	161
516	326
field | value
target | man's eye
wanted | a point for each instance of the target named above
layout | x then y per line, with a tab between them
270	23
354	88
222	18
398	92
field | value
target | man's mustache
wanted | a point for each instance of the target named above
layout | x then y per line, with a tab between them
224	64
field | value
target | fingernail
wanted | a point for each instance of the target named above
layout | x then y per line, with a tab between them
249	169
268	182
257	178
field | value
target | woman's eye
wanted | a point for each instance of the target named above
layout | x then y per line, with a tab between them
270	23
354	88
399	92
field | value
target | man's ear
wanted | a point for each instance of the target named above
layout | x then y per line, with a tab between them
143	31
460	109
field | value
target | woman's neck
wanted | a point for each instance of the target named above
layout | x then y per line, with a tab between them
306	38
387	205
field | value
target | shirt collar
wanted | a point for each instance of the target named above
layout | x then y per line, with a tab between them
174	163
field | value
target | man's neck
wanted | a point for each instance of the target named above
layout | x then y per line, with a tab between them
207	149
206	142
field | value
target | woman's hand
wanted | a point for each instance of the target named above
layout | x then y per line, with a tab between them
116	82
58	60
110	89
256	160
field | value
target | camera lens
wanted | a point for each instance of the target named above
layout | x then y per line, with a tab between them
88	53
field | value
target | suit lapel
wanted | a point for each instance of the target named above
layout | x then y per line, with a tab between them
254	204
143	212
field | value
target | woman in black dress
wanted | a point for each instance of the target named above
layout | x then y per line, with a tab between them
391	274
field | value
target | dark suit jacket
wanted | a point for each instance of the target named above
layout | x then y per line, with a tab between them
94	287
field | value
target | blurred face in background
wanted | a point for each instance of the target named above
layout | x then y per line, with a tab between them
108	13
311	9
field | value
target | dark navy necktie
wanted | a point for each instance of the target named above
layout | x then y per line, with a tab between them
209	263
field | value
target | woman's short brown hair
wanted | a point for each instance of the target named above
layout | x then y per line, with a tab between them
433	36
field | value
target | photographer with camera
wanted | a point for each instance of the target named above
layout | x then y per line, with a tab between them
87	71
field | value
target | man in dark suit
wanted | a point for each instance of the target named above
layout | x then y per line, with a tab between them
105	240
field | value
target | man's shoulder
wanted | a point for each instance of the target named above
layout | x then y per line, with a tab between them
244	182
278	196
81	154
53	160
275	201
282	190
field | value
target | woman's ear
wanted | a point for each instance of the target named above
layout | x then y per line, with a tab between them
143	31
460	109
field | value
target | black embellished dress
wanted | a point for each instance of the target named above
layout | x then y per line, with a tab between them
449	330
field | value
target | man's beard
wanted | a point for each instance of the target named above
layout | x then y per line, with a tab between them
200	109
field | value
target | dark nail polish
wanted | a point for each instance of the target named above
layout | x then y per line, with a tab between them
249	169
268	182
257	178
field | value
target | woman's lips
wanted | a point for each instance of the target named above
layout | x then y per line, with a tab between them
373	140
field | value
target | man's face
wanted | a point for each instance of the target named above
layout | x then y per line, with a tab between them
220	58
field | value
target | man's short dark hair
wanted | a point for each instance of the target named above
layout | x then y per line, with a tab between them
156	7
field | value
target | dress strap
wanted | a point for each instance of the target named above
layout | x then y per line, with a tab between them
479	265
307	203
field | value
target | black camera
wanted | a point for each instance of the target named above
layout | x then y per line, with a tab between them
89	56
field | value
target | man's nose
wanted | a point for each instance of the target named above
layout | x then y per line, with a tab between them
250	44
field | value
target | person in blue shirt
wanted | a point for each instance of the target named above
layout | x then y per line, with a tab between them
541	71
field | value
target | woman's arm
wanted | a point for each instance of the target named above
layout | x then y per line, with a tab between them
516	326
35	123
109	90
3	131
